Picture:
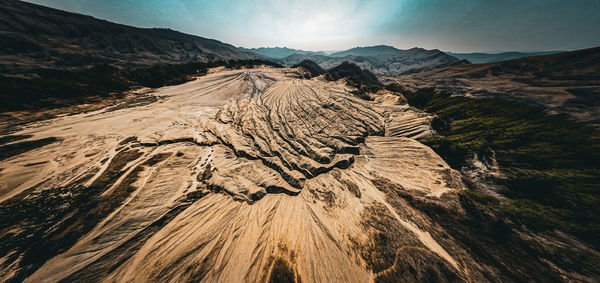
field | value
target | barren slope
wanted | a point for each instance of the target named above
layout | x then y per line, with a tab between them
242	175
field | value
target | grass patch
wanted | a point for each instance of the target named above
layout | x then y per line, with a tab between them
549	162
569	259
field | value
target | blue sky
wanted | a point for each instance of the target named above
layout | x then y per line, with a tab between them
459	25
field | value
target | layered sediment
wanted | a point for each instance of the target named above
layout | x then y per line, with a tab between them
240	175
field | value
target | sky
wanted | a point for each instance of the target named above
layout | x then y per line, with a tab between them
449	25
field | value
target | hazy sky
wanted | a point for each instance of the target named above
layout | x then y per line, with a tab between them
458	25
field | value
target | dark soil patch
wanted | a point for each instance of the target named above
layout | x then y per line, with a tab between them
13	149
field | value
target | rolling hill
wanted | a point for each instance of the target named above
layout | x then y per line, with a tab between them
567	82
480	57
33	36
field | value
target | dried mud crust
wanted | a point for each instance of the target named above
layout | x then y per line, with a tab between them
214	178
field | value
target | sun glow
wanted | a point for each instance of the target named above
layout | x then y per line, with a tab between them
318	23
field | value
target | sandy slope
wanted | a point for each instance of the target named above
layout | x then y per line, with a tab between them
247	175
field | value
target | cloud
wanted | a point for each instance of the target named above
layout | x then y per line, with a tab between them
307	24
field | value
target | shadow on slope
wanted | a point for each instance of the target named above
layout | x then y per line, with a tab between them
311	67
364	81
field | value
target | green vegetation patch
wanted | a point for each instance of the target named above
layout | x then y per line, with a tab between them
550	164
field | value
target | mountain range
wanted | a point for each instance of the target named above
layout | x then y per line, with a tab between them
479	57
34	37
279	52
386	60
381	60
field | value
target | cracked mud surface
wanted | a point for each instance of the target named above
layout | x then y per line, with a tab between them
240	175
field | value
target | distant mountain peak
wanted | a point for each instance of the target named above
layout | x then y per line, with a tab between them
382	60
279	52
367	51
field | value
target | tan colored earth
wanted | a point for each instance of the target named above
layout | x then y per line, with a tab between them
248	175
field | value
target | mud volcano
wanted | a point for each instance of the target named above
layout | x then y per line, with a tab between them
242	175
